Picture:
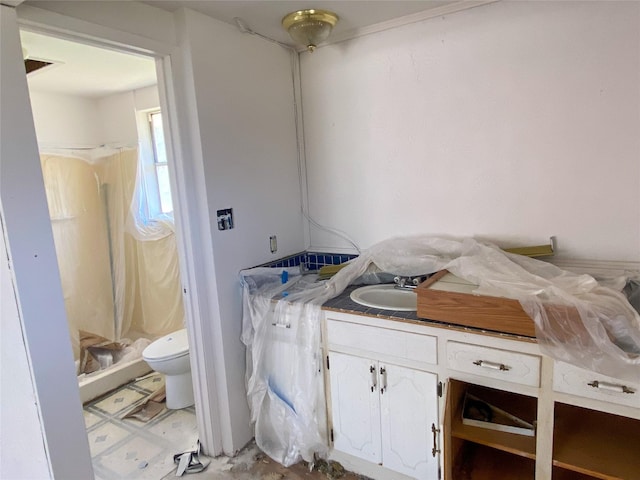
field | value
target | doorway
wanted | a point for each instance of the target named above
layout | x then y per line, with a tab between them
106	172
31	247
104	162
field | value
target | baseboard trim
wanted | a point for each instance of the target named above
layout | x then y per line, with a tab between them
368	469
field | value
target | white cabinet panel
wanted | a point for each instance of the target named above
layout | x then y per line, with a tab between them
493	363
584	383
355	406
383	413
395	343
408	400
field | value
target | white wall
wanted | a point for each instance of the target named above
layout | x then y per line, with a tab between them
19	413
65	121
146	98
140	26
512	122
37	290
238	150
245	118
118	119
71	121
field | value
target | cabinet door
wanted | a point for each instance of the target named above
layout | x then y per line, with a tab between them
355	406
409	407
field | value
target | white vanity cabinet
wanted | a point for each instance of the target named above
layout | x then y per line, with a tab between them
409	420
382	412
596	428
583	383
355	406
396	391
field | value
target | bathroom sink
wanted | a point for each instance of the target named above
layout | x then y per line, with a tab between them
386	297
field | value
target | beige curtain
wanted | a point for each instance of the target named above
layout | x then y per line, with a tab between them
159	294
82	246
114	285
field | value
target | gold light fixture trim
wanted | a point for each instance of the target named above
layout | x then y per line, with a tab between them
310	27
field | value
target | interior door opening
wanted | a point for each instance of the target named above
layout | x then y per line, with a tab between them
101	138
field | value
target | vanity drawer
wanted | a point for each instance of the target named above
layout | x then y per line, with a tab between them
584	383
488	362
394	343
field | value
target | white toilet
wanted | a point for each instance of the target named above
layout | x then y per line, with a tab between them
170	355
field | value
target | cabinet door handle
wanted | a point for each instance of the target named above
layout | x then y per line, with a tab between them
383	375
492	365
611	386
374	378
435	450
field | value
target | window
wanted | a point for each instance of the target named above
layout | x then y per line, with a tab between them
160	162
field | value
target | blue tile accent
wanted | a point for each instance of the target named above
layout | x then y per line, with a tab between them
311	260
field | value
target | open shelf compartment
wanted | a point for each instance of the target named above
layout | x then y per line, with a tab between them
518	405
597	444
486	452
484	463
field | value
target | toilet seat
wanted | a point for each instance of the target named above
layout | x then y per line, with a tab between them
170	346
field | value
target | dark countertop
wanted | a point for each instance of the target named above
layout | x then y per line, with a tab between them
343	303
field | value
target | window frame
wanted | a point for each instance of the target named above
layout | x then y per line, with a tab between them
157	162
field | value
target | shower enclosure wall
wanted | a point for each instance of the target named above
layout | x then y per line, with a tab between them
119	273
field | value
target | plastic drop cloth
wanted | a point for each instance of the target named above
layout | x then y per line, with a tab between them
115	284
284	363
577	320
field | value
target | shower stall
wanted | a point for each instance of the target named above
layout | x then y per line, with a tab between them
118	265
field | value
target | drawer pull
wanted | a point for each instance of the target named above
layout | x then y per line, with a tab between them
435	450
492	365
383	375
374	378
610	386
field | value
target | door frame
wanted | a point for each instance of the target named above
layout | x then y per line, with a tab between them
193	232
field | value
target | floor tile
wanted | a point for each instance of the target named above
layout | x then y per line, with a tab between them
135	459
134	450
104	437
90	419
151	383
179	428
119	401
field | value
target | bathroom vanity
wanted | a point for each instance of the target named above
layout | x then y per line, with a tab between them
396	389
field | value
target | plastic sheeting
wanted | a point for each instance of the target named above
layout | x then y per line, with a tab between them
81	238
114	284
142	223
284	372
577	320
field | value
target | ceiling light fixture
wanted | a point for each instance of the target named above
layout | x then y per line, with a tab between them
309	27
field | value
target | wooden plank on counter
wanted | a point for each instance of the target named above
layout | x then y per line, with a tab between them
477	311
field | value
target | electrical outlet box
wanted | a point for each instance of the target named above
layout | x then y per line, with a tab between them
225	219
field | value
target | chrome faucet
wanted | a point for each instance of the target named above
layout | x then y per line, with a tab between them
408	282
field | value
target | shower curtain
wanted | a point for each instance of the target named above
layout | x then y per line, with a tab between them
117	281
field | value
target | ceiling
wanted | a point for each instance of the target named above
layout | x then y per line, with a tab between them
264	16
84	70
89	71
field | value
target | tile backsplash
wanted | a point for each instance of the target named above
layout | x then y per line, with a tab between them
310	260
